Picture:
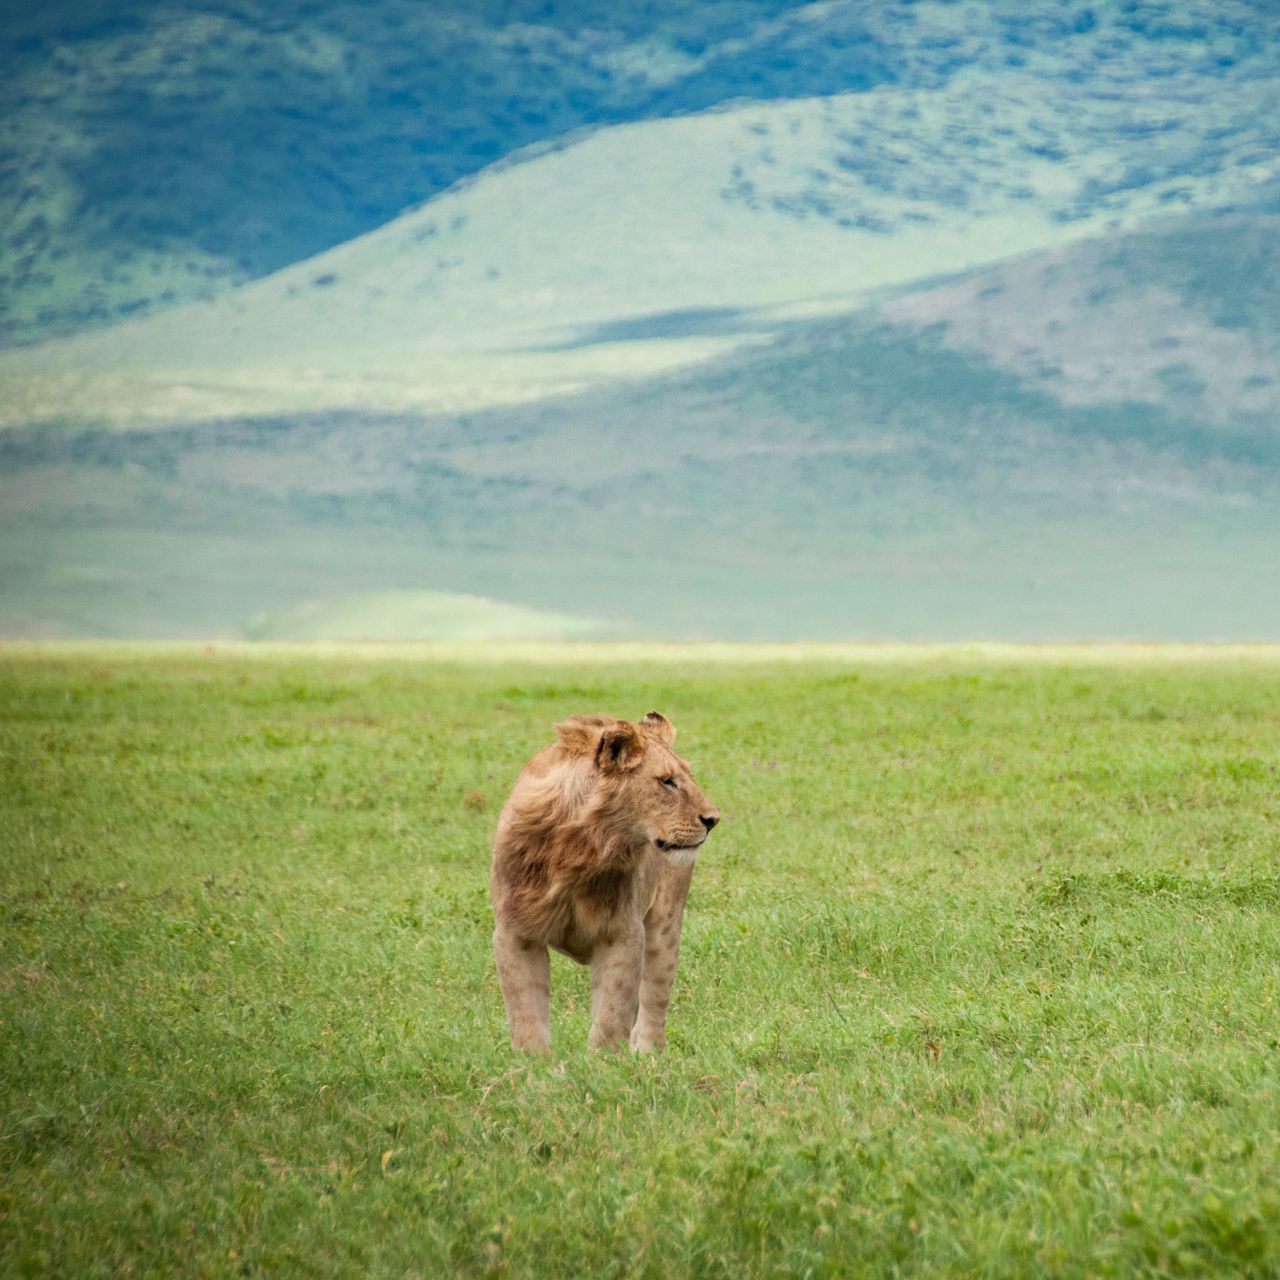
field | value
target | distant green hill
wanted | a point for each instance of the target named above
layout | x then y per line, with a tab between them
649	246
159	151
417	615
1080	444
746	320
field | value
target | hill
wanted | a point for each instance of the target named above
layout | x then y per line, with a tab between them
1077	445
647	246
159	152
417	615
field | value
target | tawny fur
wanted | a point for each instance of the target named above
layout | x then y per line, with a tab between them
593	857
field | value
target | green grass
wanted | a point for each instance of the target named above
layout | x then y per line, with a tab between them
979	976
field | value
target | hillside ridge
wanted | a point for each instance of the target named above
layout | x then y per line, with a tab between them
158	153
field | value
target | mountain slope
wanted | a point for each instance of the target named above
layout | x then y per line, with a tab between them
1077	323
908	471
159	151
645	246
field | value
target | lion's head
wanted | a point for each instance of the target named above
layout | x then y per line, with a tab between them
641	789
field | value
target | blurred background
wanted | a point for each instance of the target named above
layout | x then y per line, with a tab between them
673	320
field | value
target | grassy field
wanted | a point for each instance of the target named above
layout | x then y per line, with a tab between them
980	974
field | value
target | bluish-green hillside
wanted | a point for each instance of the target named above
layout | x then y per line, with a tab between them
154	153
741	320
906	471
646	246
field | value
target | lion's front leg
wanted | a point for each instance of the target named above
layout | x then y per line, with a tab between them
649	1035
615	988
524	973
661	955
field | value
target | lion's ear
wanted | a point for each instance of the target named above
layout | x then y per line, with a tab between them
580	734
621	748
660	726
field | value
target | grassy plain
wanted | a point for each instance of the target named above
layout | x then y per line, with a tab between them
980	973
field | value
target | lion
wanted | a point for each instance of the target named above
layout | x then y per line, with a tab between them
593	855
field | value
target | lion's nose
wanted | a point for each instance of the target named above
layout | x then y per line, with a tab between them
709	820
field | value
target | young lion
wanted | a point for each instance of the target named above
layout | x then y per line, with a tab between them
593	856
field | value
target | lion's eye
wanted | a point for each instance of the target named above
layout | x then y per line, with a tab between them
670	782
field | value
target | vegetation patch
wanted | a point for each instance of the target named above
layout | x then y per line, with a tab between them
978	977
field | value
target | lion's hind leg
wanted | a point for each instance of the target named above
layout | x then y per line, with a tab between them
524	973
